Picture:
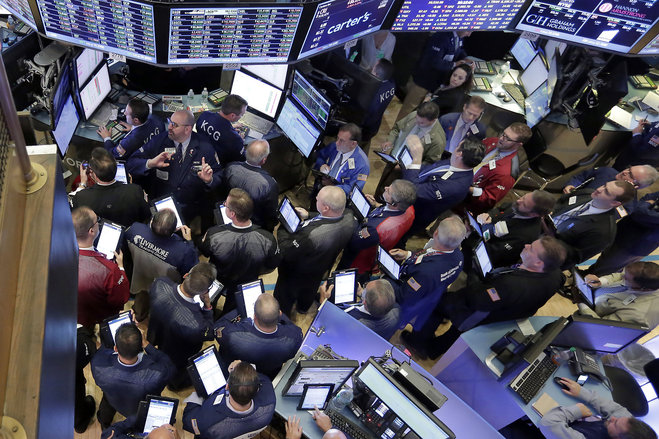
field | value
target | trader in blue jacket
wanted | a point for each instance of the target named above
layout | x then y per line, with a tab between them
217	129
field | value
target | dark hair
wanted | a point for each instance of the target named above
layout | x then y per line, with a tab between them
84	219
140	109
164	223
384	69
638	430
428	110
543	202
243	383
199	279
354	130
473	151
628	191
553	254
233	104
403	193
128	339
240	203
103	164
477	101
469	82
645	274
522	130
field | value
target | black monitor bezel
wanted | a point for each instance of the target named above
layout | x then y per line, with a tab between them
303	364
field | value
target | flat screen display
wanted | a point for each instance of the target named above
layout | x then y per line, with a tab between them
123	27
114	324
209	371
338	21
614	25
297	127
537	105
66	126
275	74
21	9
388	263
160	412
108	239
95	91
483	258
533	75
85	64
251	293
289	216
524	51
652	48
599	335
314	103
259	95
168	203
344	286
219	35
429	15
334	372
360	202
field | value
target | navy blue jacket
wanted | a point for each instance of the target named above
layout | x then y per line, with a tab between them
437	60
260	186
125	386
137	137
600	175
375	111
448	122
347	175
243	341
217	421
643	149
222	136
639	232
121	429
384	326
435	195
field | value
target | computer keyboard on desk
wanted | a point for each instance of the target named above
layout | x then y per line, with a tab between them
350	428
515	92
256	123
529	382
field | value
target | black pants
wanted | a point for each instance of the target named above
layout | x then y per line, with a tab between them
105	412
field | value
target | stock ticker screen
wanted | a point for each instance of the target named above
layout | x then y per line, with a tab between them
21	9
437	15
234	34
125	27
608	24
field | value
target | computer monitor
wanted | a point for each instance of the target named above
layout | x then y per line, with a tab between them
334	372
429	15
275	74
125	28
390	410
246	297
651	48
612	26
534	74
60	93
599	335
552	73
85	64
296	125
523	51
362	85
20	9
66	126
265	36
259	95
94	92
311	100
336	22
537	105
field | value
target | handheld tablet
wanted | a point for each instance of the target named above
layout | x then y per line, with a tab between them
482	258
246	297
109	238
358	199
121	173
169	203
404	157
586	293
315	396
205	371
288	216
474	224
320	174
223	212
213	293
109	327
345	286
386	157
388	263
154	412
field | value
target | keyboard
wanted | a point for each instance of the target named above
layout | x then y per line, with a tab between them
350	428
515	92
256	123
533	378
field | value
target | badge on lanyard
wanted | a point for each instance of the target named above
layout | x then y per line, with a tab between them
163	175
351	163
474	129
629	299
170	150
492	164
572	200
426	138
447	175
418	259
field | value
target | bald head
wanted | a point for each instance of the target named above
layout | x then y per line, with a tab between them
266	311
333	433
165	431
331	201
257	152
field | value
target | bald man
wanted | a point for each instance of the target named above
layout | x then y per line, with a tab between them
310	252
253	179
268	341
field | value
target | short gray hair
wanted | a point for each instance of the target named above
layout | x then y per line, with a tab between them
403	193
451	231
380	297
334	198
256	151
650	174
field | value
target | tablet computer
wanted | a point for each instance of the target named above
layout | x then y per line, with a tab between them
121	173
359	201
482	258
246	297
205	372
168	202
585	292
109	239
404	157
474	224
154	412
345	286
288	216
223	213
109	327
388	263
214	292
320	174
315	396
386	157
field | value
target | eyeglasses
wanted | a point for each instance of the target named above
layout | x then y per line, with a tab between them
343	142
176	125
98	221
505	137
627	173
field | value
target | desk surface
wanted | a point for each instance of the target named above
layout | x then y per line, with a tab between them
353	340
494	400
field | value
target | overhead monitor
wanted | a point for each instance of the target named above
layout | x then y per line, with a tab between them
85	64
523	50
338	21
614	25
652	48
552	74
312	100
259	95
21	9
537	105
275	74
599	335
125	28
297	127
61	92
94	92
66	126
431	15
534	74
220	35
551	48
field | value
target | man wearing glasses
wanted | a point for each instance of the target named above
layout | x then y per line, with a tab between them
179	163
640	176
496	174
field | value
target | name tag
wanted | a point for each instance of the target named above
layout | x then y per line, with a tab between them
351	163
426	138
492	164
448	57
418	259
447	175
218	399
572	200
163	175
629	299
170	150
474	129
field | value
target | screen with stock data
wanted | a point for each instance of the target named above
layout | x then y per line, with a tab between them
124	27
231	34
428	15
21	9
